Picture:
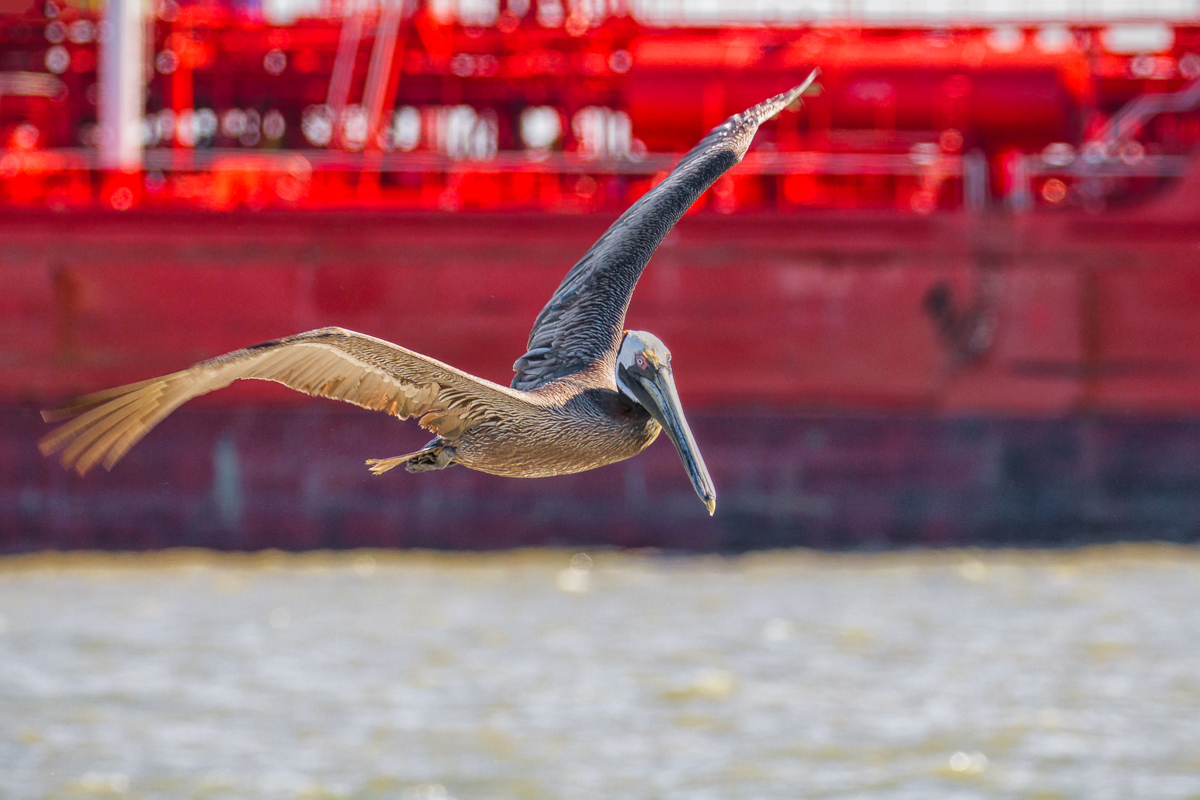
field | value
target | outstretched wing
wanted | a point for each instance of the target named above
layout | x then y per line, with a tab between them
330	362
584	319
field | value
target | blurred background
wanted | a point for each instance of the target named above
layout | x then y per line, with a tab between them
951	300
948	305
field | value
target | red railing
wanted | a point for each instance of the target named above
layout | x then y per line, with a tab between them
409	112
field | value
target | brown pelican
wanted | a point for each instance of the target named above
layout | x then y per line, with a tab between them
587	393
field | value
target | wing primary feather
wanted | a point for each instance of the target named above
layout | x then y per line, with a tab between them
53	441
103	443
155	412
83	451
87	402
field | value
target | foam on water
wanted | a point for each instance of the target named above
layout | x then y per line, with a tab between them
542	674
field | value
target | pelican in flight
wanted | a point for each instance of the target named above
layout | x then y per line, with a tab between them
587	393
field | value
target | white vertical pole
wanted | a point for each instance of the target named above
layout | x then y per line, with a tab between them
121	86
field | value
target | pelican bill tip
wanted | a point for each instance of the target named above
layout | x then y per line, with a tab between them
711	504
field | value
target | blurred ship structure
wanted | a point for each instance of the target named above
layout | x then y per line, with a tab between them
956	298
497	106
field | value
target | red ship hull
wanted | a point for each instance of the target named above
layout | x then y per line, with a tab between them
825	401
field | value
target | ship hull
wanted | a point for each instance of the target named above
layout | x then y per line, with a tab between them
830	407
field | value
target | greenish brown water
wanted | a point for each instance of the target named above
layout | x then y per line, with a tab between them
950	674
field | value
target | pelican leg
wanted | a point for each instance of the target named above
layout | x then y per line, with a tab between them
381	465
433	456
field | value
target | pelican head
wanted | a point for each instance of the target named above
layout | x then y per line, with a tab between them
644	376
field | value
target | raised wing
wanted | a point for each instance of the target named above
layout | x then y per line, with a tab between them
584	319
330	362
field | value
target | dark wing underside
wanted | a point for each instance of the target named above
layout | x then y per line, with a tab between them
585	318
330	362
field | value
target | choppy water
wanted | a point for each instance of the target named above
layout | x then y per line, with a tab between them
913	675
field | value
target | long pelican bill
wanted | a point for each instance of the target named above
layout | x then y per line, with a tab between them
657	394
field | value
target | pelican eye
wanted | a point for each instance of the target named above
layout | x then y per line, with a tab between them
641	361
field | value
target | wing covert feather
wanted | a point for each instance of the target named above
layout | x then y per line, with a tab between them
586	315
329	362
